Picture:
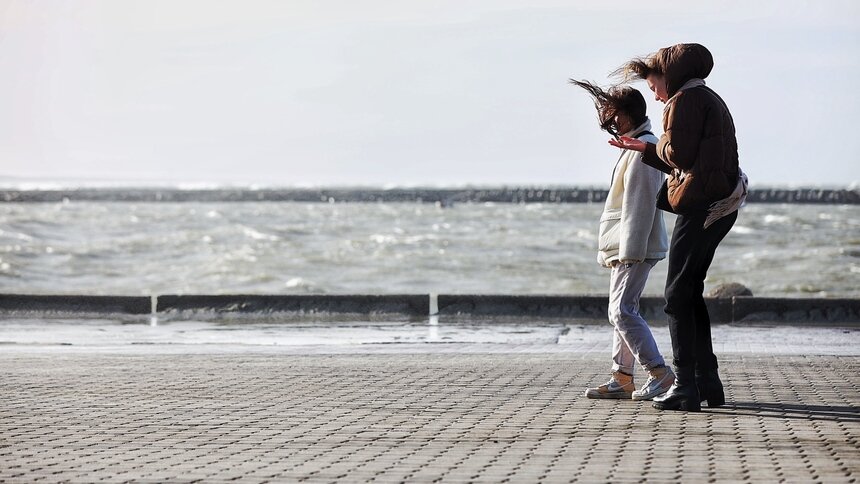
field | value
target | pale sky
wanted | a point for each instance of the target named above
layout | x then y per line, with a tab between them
359	92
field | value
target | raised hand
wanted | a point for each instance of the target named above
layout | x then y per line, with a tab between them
628	143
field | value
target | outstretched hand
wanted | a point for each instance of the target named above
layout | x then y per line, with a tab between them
628	143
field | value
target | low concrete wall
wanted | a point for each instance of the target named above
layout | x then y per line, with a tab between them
75	304
727	310
785	309
418	305
523	305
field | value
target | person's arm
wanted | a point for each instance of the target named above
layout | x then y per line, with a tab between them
650	158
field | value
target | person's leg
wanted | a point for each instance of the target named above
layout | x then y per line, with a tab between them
621	384
681	287
707	377
631	328
685	255
705	358
624	313
622	358
692	249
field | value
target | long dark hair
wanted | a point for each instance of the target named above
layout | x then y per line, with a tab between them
614	101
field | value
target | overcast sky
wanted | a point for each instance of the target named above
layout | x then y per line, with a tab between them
403	92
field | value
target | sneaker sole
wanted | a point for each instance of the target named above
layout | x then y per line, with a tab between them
649	396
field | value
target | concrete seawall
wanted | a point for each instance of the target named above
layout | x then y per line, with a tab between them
44	303
446	196
406	304
721	310
727	310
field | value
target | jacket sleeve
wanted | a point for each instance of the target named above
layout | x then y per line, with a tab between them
650	158
682	130
641	184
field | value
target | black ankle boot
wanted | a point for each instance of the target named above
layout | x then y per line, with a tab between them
684	395
710	387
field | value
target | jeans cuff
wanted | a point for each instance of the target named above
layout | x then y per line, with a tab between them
623	369
648	365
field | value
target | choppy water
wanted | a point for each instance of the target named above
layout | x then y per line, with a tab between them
271	247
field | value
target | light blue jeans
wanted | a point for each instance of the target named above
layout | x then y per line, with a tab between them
632	340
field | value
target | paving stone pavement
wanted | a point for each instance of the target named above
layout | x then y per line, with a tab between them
423	416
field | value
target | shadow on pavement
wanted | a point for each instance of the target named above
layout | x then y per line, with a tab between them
786	410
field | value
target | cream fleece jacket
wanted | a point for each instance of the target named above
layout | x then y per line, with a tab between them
631	227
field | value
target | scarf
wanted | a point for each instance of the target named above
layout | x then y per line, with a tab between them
733	202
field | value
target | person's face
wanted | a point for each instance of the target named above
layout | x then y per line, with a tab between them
623	123
657	84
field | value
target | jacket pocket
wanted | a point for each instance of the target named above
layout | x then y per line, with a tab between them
609	235
685	191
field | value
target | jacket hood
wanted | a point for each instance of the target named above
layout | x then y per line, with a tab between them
682	62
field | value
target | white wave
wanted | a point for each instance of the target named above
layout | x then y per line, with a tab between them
586	234
776	219
295	282
15	235
417	239
743	230
383	239
257	235
199	186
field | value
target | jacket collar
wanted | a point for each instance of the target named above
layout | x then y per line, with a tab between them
694	82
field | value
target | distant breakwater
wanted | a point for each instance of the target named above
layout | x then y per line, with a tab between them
443	196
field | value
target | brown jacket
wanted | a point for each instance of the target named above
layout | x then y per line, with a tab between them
698	149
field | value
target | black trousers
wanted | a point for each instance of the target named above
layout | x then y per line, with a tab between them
690	255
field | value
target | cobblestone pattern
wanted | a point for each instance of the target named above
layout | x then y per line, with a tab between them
414	418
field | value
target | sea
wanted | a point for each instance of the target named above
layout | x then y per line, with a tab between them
158	248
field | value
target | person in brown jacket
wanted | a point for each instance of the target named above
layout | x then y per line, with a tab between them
705	187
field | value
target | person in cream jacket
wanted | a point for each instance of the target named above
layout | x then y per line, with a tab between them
632	239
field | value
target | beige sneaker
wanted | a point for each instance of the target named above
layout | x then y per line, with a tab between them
619	386
658	383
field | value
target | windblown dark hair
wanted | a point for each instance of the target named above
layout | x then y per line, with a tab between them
639	68
613	101
677	64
